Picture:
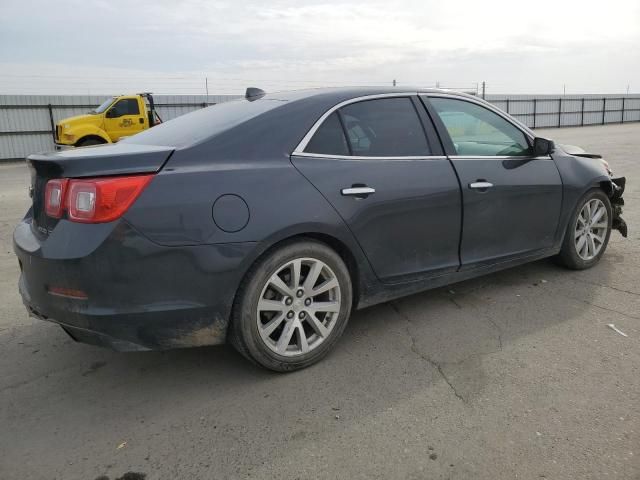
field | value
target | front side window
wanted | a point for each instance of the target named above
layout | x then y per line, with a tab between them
477	131
329	139
126	106
386	127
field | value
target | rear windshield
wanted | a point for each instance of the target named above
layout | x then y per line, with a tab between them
197	126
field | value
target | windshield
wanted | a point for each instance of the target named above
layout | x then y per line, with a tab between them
102	106
197	126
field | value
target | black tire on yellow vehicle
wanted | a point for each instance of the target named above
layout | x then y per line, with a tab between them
87	141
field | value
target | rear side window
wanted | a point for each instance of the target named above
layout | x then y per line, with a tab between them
386	127
329	139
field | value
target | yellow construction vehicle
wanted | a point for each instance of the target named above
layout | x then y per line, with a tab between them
116	118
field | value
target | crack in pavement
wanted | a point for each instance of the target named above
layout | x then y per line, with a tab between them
497	327
608	286
455	302
564	295
484	316
423	356
43	376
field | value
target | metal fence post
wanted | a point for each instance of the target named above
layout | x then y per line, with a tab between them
604	108
535	108
559	112
507	105
52	123
622	116
582	113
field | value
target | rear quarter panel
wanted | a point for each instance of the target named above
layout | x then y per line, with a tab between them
176	209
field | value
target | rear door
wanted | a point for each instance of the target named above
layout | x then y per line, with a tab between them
379	163
512	199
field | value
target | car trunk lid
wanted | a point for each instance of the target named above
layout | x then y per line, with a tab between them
88	162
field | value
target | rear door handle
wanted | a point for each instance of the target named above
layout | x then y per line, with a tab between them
360	192
481	185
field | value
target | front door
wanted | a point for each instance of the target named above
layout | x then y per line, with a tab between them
124	119
380	165
512	200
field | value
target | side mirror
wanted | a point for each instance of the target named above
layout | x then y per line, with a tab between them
543	146
112	113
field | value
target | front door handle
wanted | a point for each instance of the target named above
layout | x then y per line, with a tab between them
481	185
358	191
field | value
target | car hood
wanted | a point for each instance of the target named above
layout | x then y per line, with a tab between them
93	119
578	151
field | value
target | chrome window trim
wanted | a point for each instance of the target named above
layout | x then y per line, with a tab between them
299	150
483	103
498	157
358	157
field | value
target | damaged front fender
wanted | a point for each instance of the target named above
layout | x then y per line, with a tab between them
615	191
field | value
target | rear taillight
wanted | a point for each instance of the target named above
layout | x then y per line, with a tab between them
54	195
95	200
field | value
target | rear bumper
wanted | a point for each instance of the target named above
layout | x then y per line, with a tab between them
135	332
91	337
140	296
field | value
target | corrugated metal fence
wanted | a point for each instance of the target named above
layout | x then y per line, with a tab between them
27	121
544	111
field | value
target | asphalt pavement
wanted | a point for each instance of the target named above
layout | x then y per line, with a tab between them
513	375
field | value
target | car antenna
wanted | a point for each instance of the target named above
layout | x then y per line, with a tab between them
254	93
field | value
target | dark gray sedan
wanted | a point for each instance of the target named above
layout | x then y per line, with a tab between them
264	222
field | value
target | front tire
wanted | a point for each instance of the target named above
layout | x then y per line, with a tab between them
292	307
588	232
86	142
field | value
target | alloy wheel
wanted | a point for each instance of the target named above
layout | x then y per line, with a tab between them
298	306
591	229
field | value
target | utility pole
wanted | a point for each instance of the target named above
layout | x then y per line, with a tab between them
484	88
628	85
564	89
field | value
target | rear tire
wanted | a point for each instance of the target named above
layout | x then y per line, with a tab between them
588	231
292	307
86	142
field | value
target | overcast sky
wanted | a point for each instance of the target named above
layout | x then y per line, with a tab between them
99	46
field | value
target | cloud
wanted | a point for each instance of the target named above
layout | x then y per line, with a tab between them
289	43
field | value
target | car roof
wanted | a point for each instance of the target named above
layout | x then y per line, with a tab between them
343	93
270	126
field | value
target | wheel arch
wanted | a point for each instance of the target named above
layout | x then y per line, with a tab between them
599	183
345	254
91	137
336	244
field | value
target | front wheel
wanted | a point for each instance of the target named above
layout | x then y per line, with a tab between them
292	307
588	232
86	142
